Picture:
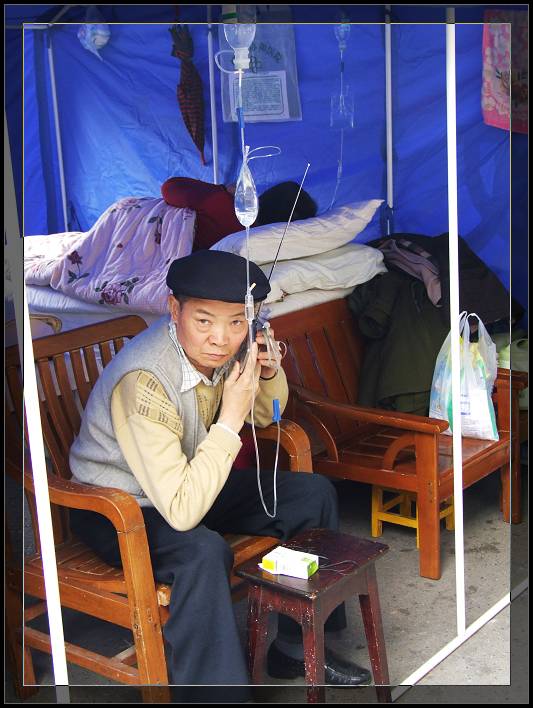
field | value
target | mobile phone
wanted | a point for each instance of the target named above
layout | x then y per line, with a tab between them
242	354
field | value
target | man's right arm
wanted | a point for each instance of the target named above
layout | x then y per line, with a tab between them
149	431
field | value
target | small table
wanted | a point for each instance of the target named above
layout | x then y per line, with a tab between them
310	603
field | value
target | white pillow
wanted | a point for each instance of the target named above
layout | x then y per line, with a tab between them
301	301
304	238
344	267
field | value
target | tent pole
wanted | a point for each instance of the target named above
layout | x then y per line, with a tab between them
33	420
57	129
212	98
388	110
453	234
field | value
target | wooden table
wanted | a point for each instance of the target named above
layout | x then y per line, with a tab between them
310	602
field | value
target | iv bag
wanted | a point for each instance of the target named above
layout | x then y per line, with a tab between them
246	202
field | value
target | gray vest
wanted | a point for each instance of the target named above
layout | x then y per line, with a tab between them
95	456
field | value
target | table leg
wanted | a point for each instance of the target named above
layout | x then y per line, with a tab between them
371	612
313	641
257	635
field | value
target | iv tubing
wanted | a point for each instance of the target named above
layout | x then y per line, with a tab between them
240	118
339	170
341	105
249	309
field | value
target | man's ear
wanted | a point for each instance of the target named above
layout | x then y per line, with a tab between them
174	307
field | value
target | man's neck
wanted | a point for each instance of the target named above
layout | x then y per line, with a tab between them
206	371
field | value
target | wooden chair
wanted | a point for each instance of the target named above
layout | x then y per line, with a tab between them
67	368
398	451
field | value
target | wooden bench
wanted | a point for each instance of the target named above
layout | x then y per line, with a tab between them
67	369
398	451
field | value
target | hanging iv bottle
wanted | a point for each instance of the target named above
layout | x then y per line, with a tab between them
342	32
246	202
239	30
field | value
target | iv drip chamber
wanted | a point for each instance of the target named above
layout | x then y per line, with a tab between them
246	202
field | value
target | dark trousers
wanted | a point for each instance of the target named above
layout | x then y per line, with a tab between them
201	632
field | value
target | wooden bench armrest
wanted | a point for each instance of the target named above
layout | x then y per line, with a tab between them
517	379
294	440
116	505
404	421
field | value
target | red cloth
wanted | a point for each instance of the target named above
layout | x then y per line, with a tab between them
245	460
190	90
214	207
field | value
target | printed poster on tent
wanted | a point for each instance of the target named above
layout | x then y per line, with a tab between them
270	86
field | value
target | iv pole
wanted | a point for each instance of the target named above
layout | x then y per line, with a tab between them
388	112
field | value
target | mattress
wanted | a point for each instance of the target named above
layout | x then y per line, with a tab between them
73	313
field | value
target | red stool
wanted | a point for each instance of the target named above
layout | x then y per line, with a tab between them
310	602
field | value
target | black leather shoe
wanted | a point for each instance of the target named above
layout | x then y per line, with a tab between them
338	671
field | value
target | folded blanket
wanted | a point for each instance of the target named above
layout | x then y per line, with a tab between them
122	260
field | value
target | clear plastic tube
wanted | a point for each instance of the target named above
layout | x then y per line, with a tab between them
342	32
217	61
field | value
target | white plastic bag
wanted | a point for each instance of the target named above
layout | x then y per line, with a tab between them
478	373
94	33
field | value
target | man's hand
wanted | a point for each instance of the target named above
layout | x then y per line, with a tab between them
238	388
269	355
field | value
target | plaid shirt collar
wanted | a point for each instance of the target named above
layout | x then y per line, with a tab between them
191	375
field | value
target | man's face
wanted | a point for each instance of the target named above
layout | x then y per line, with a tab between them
210	331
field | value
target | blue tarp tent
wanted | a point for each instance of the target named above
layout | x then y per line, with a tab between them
122	133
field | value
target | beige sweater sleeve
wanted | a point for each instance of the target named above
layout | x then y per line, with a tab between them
149	431
269	389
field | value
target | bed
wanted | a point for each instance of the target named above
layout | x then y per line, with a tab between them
119	266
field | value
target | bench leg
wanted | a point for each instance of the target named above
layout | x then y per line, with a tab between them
377	506
257	635
429	532
375	639
313	641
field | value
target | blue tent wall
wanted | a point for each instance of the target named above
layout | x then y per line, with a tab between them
420	144
42	187
123	133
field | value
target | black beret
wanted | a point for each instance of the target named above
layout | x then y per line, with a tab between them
216	275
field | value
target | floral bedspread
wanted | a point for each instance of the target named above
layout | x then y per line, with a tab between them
122	260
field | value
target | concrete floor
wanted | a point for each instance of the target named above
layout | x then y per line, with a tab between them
419	616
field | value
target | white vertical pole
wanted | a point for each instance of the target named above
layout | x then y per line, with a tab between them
212	97
454	317
57	129
388	110
33	421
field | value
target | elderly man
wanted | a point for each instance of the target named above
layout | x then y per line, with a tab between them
163	424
